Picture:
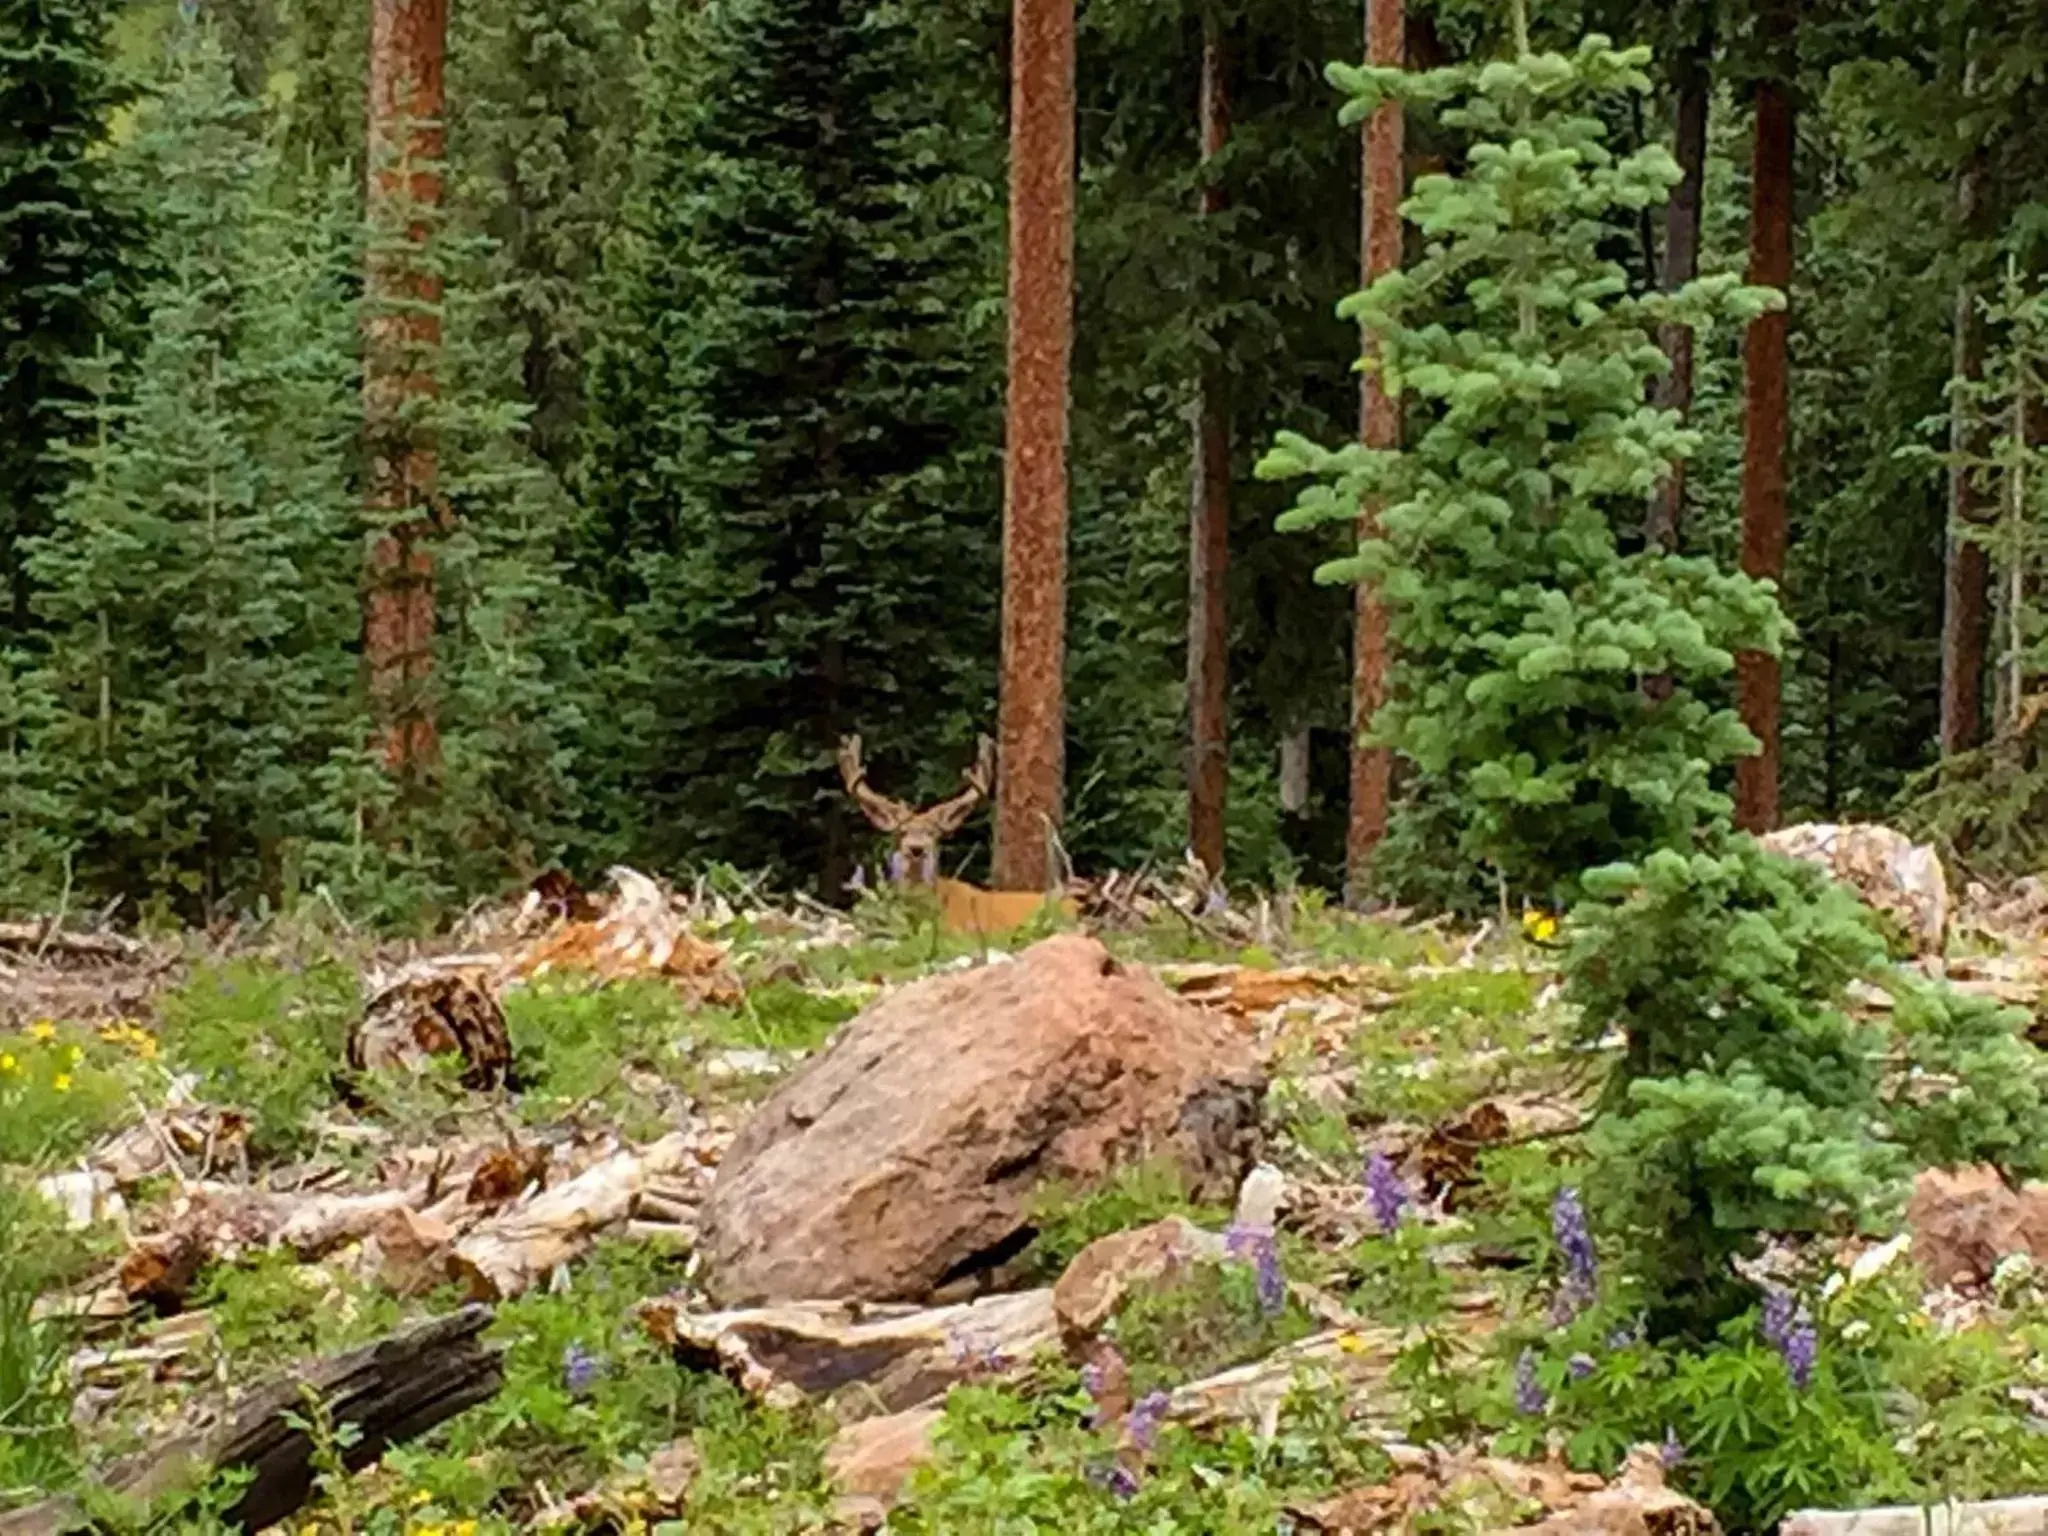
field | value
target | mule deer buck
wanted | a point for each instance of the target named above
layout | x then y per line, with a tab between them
917	833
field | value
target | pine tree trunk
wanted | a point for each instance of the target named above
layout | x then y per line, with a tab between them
1966	596
1209	531
1693	81
402	340
1379	427
1032	727
1766	426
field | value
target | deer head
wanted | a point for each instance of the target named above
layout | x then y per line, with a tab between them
917	833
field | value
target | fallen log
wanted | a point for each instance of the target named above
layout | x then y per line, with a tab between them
392	1391
866	1359
511	1252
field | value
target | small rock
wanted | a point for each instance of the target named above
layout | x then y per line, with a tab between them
874	1458
1108	1269
1260	1197
1964	1220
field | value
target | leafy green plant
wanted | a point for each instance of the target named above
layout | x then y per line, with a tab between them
1010	1461
1204	1320
36	1442
264	1039
1522	361
585	1385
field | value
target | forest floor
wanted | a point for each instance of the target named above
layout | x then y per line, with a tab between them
223	1201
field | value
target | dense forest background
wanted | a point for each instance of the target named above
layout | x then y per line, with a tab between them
717	423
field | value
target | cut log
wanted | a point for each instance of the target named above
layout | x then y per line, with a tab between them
392	1391
510	1253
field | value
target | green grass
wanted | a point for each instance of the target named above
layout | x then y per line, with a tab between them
264	1039
1421	1060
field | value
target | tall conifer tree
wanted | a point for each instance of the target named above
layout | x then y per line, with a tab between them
797	427
60	250
198	582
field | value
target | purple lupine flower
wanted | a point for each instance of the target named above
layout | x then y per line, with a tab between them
1142	1423
1091	1379
1529	1394
1777	1318
1788	1330
1801	1352
1575	1242
1385	1192
580	1370
1119	1480
1256	1246
1672	1451
1581	1366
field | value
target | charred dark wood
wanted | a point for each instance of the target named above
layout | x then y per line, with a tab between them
391	1391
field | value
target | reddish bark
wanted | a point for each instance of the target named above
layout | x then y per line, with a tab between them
1379	427
402	337
1031	730
1694	83
1966	595
1209	532
1766	427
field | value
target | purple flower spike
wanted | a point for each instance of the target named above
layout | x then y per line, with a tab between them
1672	1451
1256	1246
1142	1423
1788	1330
1385	1192
1575	1242
1121	1481
1581	1366
580	1370
1529	1394
1802	1353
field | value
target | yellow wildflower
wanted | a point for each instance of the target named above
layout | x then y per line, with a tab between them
61	1082
8	1063
1540	926
462	1528
42	1029
1351	1343
146	1047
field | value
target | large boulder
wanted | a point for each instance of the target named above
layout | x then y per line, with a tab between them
905	1157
